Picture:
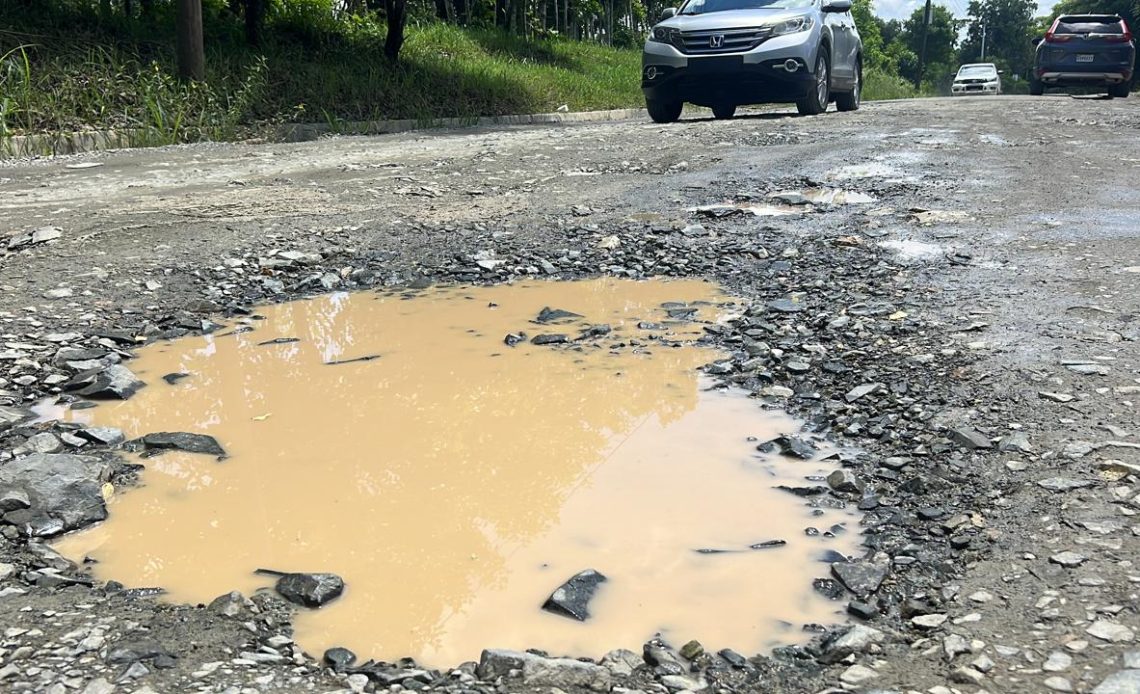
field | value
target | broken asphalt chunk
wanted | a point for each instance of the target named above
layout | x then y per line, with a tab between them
551	315
969	438
354	360
788	446
572	598
116	382
861	578
555	339
63	492
182	441
310	590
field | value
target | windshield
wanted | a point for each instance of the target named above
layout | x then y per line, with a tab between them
1088	25
977	71
706	6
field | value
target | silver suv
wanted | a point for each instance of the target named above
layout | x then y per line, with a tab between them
727	53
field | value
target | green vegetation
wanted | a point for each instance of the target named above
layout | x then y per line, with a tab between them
74	65
121	76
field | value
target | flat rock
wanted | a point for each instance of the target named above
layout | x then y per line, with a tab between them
1104	630
116	382
1068	559
310	590
572	598
1063	484
1123	682
537	671
64	491
929	621
551	315
11	416
861	578
181	441
845	481
862	391
968	437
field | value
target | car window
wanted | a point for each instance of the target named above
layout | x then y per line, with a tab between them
706	6
1088	25
977	72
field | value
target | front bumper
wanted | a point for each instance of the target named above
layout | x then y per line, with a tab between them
968	89
755	77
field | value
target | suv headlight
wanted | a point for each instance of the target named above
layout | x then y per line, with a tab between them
662	34
793	26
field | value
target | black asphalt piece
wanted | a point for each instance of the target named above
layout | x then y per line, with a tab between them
861	578
174	378
768	544
572	598
555	339
310	590
279	341
552	315
513	339
355	360
182	441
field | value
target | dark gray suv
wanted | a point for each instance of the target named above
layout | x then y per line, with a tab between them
727	53
1085	50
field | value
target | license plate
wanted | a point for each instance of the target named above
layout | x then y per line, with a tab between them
1084	57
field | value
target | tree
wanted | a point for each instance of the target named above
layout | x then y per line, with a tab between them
1009	30
191	46
397	15
941	38
870	30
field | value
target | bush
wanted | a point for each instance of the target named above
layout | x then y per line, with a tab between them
879	85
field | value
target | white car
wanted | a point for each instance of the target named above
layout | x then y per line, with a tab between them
976	78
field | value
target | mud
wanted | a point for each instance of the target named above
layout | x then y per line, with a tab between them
454	481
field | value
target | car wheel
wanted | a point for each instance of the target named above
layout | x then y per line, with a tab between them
818	97
724	111
663	111
1120	90
850	101
1036	88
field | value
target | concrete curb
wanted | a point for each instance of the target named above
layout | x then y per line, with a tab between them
19	146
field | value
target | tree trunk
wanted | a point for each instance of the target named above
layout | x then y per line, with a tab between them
396	10
441	9
254	21
146	8
191	46
461	12
128	8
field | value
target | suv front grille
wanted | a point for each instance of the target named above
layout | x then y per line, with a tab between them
730	40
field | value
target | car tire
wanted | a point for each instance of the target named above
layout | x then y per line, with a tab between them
1120	91
850	101
817	99
664	111
724	111
1036	88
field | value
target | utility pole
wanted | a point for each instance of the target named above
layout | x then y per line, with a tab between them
191	46
983	41
927	18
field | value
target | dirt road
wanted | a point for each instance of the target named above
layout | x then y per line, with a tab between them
961	277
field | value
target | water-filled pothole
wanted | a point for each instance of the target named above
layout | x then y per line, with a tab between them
465	472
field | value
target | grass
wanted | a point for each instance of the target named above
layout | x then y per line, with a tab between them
74	73
879	85
105	82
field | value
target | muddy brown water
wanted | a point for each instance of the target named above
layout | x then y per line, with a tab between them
454	481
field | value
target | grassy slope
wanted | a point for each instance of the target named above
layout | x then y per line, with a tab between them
121	77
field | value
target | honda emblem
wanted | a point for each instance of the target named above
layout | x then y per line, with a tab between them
716	40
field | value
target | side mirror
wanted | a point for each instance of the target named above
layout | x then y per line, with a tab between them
667	13
837	5
1001	72
1038	40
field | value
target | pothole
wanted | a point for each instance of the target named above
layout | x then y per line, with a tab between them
457	454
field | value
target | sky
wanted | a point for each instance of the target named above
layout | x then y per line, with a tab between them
901	9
